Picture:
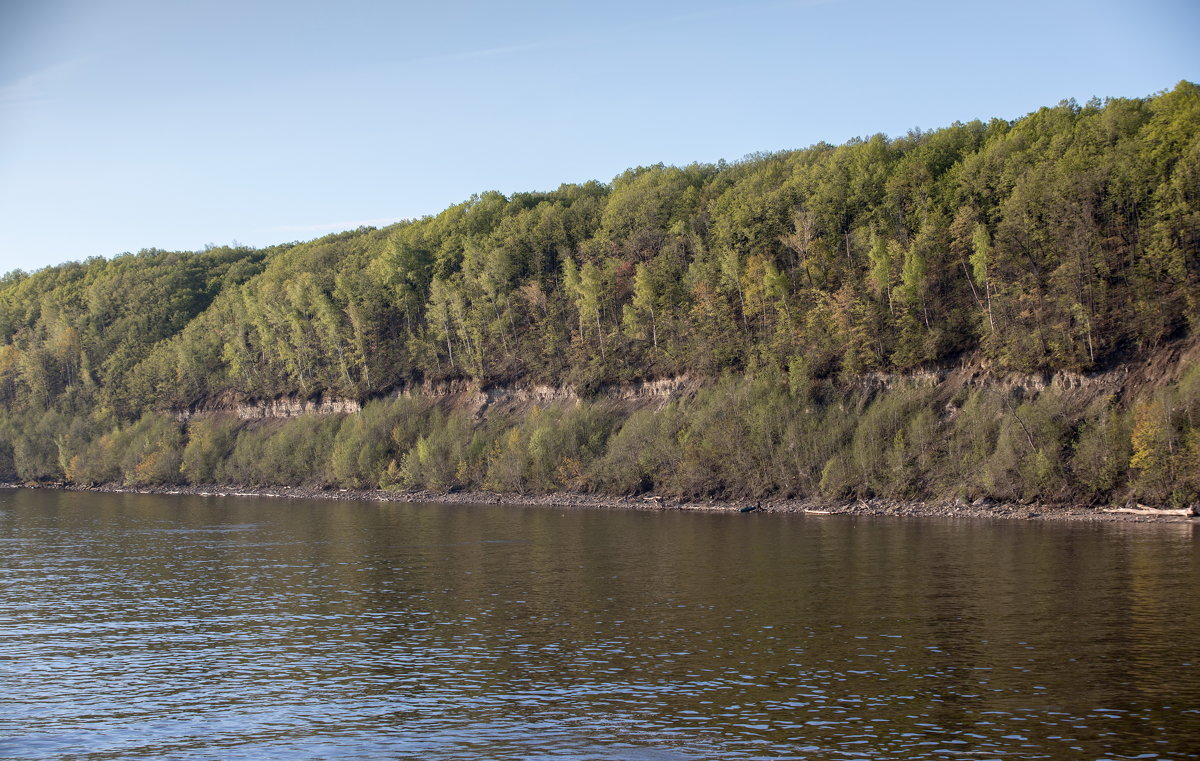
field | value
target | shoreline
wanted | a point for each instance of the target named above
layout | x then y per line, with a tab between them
875	507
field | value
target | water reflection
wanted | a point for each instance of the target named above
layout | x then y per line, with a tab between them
138	626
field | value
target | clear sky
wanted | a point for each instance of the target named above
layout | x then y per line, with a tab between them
136	124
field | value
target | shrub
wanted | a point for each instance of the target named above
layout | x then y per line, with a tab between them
283	452
210	441
1100	456
434	460
641	455
368	441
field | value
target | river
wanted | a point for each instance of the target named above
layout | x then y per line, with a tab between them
182	627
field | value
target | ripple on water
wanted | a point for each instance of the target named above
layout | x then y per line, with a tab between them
243	629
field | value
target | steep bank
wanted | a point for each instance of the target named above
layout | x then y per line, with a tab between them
464	394
957	433
960	436
1119	382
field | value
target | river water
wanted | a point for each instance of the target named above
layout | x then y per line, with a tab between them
136	626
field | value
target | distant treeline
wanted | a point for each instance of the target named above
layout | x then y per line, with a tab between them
1068	240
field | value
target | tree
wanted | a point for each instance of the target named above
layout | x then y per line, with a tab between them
642	305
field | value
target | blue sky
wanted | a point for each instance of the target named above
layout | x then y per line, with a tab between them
130	125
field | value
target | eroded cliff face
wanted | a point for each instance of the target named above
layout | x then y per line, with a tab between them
285	407
1120	382
291	407
656	394
1161	368
459	393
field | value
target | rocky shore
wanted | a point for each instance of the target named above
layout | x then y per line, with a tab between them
870	507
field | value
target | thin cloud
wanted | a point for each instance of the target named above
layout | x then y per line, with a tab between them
38	86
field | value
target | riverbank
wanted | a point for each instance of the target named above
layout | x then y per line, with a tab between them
870	507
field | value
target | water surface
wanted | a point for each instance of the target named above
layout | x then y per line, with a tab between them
135	626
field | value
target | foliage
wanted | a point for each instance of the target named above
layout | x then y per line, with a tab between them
1067	240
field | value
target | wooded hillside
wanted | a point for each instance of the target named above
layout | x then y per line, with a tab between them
1067	240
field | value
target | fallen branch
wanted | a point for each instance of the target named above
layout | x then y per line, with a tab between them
1148	511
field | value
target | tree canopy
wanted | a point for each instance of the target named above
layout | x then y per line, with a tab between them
1066	240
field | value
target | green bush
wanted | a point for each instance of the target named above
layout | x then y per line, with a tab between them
1099	462
1030	457
880	451
641	455
210	441
283	452
972	435
436	458
367	442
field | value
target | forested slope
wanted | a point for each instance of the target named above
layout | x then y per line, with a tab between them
1065	241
